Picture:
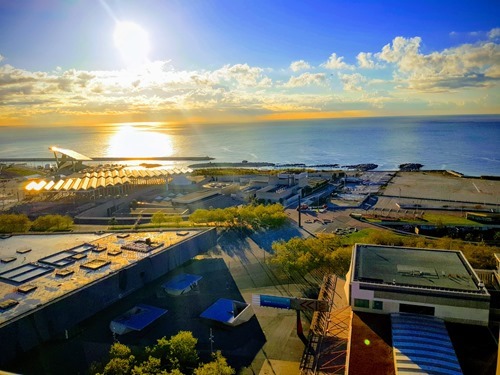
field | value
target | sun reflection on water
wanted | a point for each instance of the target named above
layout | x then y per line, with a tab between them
130	141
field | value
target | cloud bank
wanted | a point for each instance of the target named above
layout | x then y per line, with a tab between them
378	83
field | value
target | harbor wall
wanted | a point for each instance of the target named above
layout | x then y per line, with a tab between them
54	318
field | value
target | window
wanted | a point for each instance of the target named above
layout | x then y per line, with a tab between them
416	309
362	303
378	305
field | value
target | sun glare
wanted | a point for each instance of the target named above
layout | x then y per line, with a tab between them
129	141
133	43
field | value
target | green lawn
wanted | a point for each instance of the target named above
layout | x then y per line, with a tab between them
445	219
22	171
357	237
433	219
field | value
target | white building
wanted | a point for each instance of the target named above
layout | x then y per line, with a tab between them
283	188
289	179
440	283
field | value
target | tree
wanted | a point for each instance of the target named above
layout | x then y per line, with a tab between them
291	256
183	355
113	221
177	219
218	366
199	216
14	223
340	261
178	352
119	350
325	252
52	223
121	360
158	218
160	350
117	366
151	366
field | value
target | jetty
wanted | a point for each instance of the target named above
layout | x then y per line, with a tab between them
111	159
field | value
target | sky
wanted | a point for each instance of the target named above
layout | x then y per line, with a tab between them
212	61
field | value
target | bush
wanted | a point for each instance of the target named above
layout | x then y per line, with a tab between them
174	356
52	223
14	223
260	216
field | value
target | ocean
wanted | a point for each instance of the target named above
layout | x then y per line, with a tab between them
466	144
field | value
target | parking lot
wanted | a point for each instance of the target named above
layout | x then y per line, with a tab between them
440	186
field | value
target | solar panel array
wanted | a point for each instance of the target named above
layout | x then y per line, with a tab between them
421	345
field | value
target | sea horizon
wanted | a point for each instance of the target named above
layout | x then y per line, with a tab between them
463	143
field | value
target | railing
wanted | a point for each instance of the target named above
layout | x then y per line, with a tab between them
490	278
323	337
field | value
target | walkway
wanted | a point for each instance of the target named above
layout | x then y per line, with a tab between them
329	333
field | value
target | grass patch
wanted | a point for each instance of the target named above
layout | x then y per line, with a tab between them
443	219
182	224
225	171
429	219
358	237
21	171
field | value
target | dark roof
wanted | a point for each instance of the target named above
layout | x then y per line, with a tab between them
429	268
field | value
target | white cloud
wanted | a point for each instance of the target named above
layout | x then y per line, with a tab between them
400	48
494	33
306	79
366	61
242	74
352	82
468	65
159	90
299	65
335	62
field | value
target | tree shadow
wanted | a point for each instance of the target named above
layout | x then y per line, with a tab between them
90	340
234	243
265	238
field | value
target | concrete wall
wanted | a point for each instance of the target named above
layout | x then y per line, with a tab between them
52	319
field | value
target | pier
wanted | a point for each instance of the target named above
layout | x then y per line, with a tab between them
112	159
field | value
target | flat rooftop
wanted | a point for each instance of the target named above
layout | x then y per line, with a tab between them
195	196
428	268
47	267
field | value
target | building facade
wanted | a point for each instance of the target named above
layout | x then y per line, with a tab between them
440	283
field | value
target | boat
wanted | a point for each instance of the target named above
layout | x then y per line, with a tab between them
136	319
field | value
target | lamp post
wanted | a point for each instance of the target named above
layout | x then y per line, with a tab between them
300	213
211	339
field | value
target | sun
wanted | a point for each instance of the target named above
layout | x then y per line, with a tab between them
133	43
130	141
